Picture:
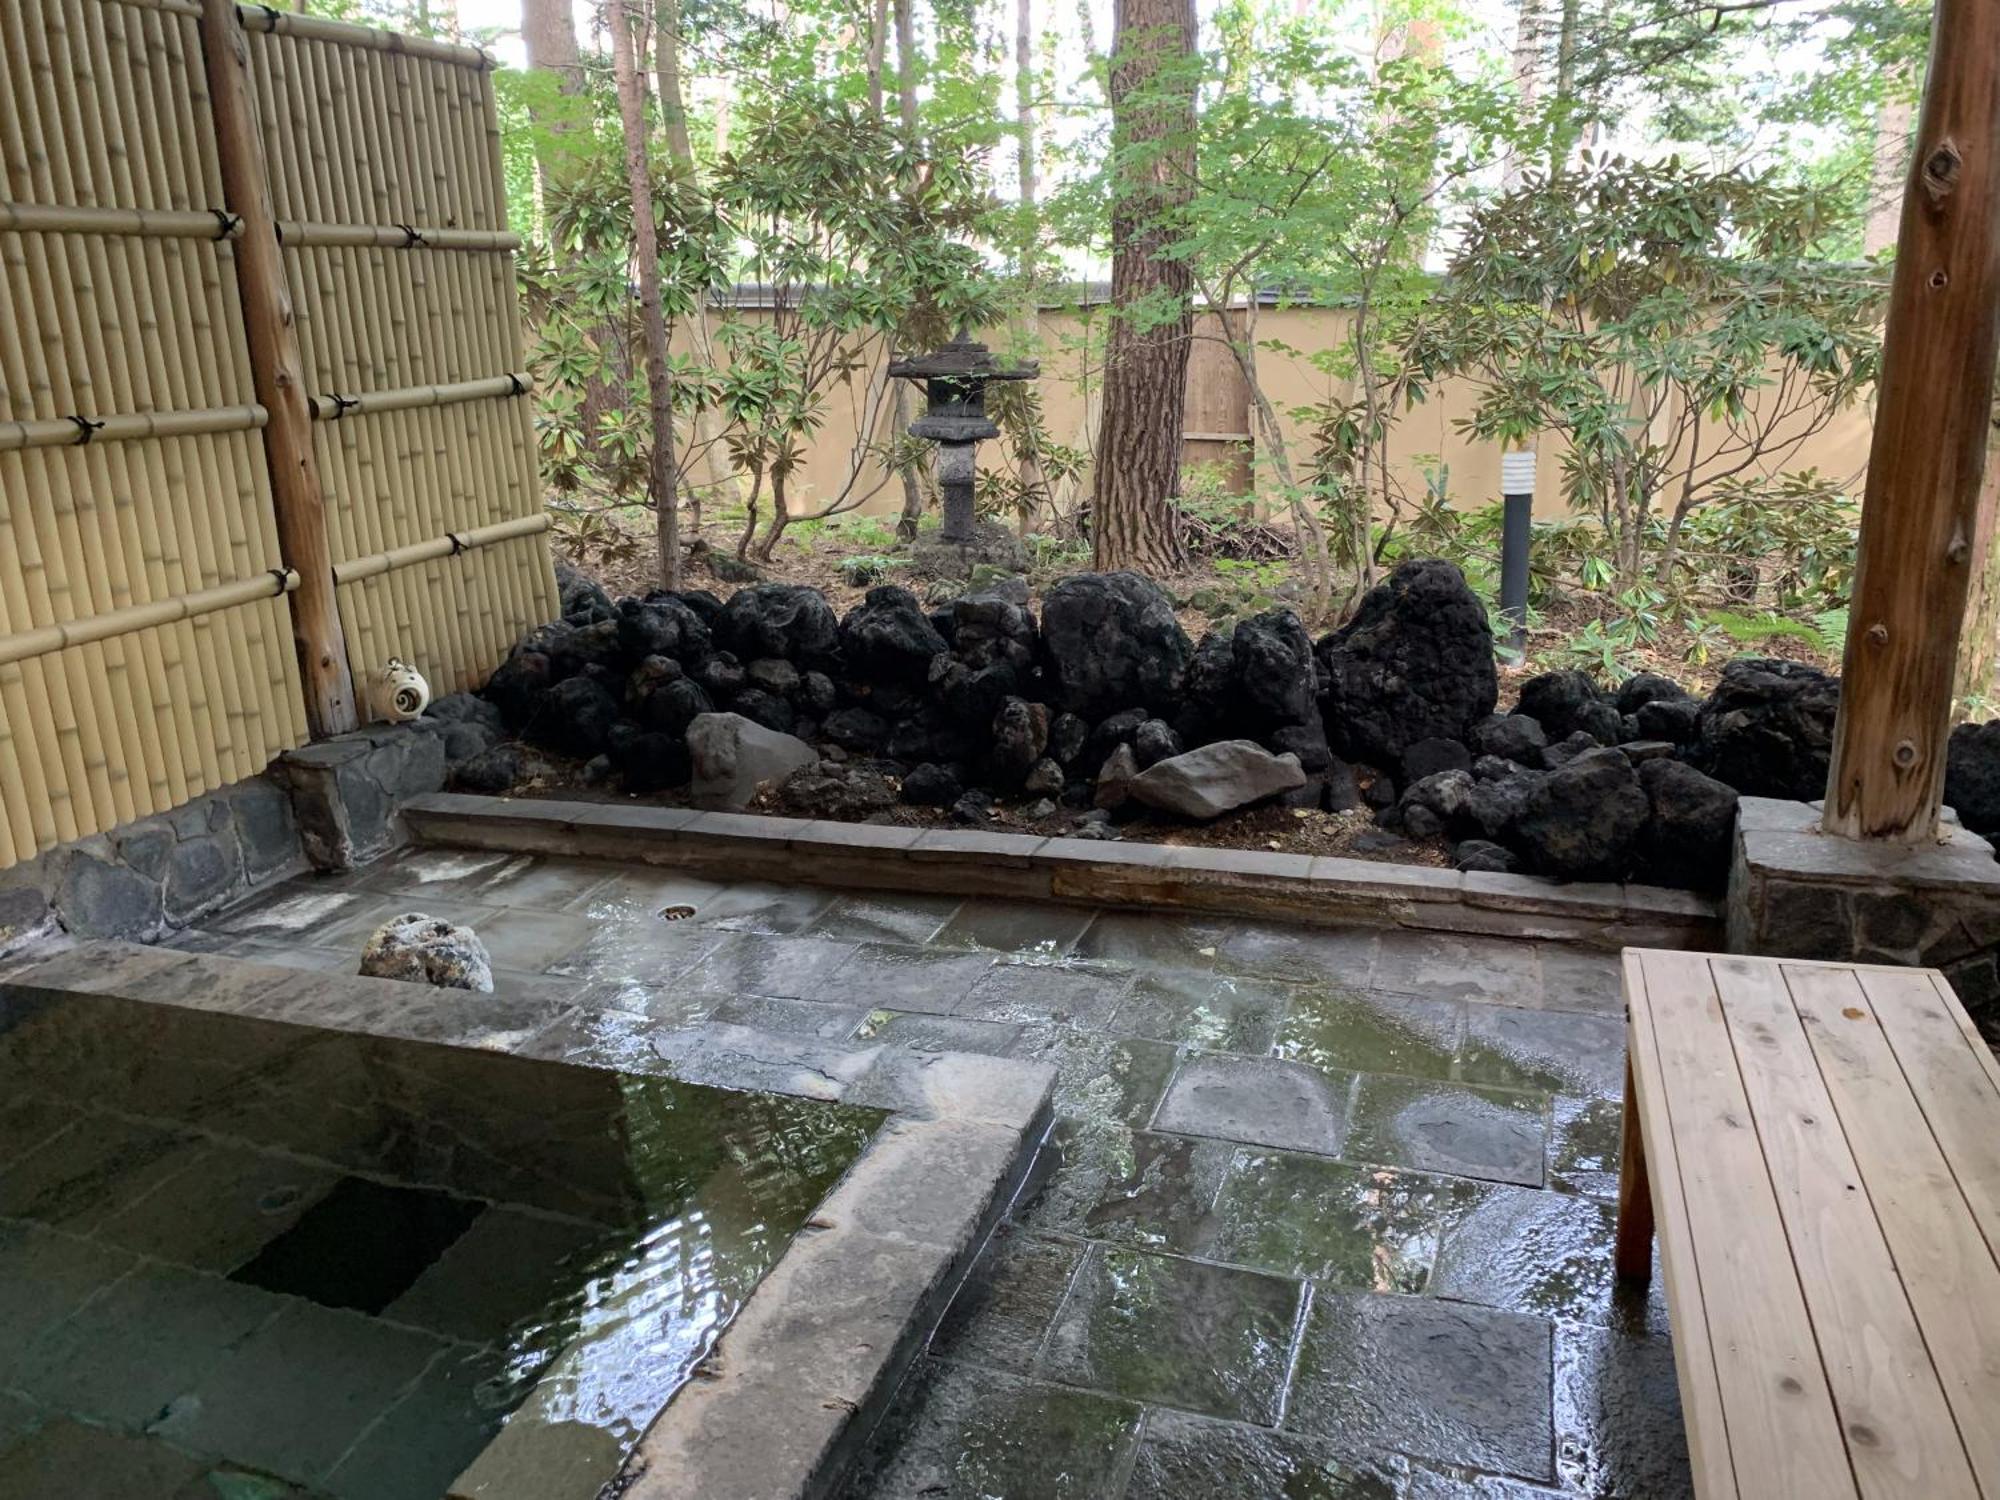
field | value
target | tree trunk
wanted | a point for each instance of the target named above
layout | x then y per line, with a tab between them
1027	310
662	483
1138	468
548	27
1526	68
1565	129
878	46
899	417
714	453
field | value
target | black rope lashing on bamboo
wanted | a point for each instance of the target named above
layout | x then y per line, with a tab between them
517	386
342	405
85	429
458	543
226	223
271	15
283	577
413	237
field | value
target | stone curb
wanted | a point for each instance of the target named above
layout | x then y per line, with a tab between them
785	1402
971	862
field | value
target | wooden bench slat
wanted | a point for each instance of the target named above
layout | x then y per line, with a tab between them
1694	1359
1945	1262
1783	1434
1956	1080
1900	1437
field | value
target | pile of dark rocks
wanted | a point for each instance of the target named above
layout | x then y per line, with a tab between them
1104	707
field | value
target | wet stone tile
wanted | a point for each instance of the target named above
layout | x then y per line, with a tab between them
1371	1032
645	950
295	1395
1259	1101
1183	1457
295	912
221	1208
1002	1314
1098	1077
925	1033
1458	968
169	1328
1458	1385
1433	1484
351	933
1554	1051
921	979
1583	1145
1541	1252
1448	1127
958	1432
1618	1416
82	1176
601	1039
1340	957
507	1266
1358	1228
672	1003
1032	929
755	906
1162	1197
1581	979
447	873
1197	1008
542	884
639	894
884	919
749	963
829	1023
1151	941
428	1438
59	1455
1058	993
1157	1328
531	941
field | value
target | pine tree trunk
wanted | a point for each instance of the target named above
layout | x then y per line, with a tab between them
662	481
1138	465
899	419
1979	642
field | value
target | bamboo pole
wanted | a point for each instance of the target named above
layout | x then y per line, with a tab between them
463	542
267	317
137	617
336	408
124	427
1934	399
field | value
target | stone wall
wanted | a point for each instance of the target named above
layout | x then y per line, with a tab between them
1795	892
327	806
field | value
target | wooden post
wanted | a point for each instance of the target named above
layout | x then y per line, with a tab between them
1920	517
276	365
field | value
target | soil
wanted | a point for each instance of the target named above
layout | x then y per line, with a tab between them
1285	830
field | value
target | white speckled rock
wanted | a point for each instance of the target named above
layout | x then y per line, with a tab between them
428	950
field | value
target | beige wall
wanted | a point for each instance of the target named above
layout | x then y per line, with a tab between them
1423	436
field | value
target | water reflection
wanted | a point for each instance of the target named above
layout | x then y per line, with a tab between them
377	1252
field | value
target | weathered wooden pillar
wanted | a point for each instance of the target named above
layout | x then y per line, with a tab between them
1920	516
277	368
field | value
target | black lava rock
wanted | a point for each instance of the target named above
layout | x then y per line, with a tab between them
857	729
888	638
1067	736
932	785
1690	841
1113	643
1153	742
1675	720
1972	776
495	771
1517	737
1415	663
779	619
1020	735
1428	757
584	601
653	762
662	626
574	718
1483	854
518	684
1558	701
1641	688
666	705
1584	820
768	709
722	675
1767	729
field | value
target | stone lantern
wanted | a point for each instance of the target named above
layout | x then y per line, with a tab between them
955	378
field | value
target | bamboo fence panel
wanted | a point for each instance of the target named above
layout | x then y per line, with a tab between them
145	643
384	172
146	652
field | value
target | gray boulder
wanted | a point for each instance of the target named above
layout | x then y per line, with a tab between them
732	756
428	950
1215	779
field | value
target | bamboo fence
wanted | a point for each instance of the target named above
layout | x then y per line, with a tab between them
146	645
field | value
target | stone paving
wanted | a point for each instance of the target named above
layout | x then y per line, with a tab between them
1326	1214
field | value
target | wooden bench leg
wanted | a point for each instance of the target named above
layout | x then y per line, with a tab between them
1632	1256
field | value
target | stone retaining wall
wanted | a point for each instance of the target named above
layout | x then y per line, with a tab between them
329	806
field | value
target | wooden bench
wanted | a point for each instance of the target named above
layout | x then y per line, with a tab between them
1819	1146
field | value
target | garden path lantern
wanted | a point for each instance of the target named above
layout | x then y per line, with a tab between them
955	378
